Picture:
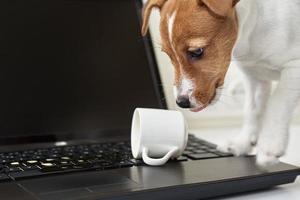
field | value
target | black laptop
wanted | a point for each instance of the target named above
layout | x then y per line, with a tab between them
71	74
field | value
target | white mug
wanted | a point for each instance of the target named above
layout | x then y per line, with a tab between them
158	135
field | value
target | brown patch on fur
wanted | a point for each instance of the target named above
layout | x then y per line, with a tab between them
211	20
220	7
147	11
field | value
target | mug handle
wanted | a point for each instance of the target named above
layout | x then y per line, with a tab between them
157	161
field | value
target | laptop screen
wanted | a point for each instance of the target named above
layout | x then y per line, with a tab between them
72	65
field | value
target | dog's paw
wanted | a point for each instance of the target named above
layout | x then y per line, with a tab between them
265	159
238	146
270	150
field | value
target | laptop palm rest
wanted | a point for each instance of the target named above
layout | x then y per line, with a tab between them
77	186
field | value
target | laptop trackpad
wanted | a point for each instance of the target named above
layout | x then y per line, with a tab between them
76	186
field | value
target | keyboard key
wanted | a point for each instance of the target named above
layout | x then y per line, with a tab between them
38	157
66	168
190	148
64	163
194	144
205	148
50	160
30	167
4	161
187	152
80	162
65	158
223	154
125	164
13	169
209	145
49	167
54	156
15	164
202	156
199	151
213	150
31	162
47	164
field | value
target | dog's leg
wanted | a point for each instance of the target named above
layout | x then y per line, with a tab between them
273	138
257	94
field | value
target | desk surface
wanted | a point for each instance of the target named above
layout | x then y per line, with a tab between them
290	191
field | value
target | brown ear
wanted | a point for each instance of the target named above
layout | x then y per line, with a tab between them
220	7
147	12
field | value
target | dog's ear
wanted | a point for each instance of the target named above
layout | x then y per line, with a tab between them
147	12
219	7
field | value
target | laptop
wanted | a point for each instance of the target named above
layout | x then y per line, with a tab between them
72	73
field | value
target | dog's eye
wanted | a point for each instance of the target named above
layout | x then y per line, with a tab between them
196	54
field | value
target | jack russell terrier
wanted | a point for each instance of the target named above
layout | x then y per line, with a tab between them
202	38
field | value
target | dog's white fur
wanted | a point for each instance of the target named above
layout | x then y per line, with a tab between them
170	30
186	87
267	49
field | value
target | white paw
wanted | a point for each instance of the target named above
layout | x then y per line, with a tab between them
266	159
270	149
238	146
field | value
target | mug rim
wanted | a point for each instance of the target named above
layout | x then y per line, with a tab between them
136	133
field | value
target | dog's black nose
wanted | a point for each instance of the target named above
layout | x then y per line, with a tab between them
183	102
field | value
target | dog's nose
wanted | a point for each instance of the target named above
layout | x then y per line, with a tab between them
183	102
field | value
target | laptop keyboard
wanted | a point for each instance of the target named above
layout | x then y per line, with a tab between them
102	156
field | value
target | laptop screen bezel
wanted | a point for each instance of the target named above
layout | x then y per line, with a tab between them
55	137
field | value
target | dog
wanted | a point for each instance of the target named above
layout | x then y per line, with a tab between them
262	37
